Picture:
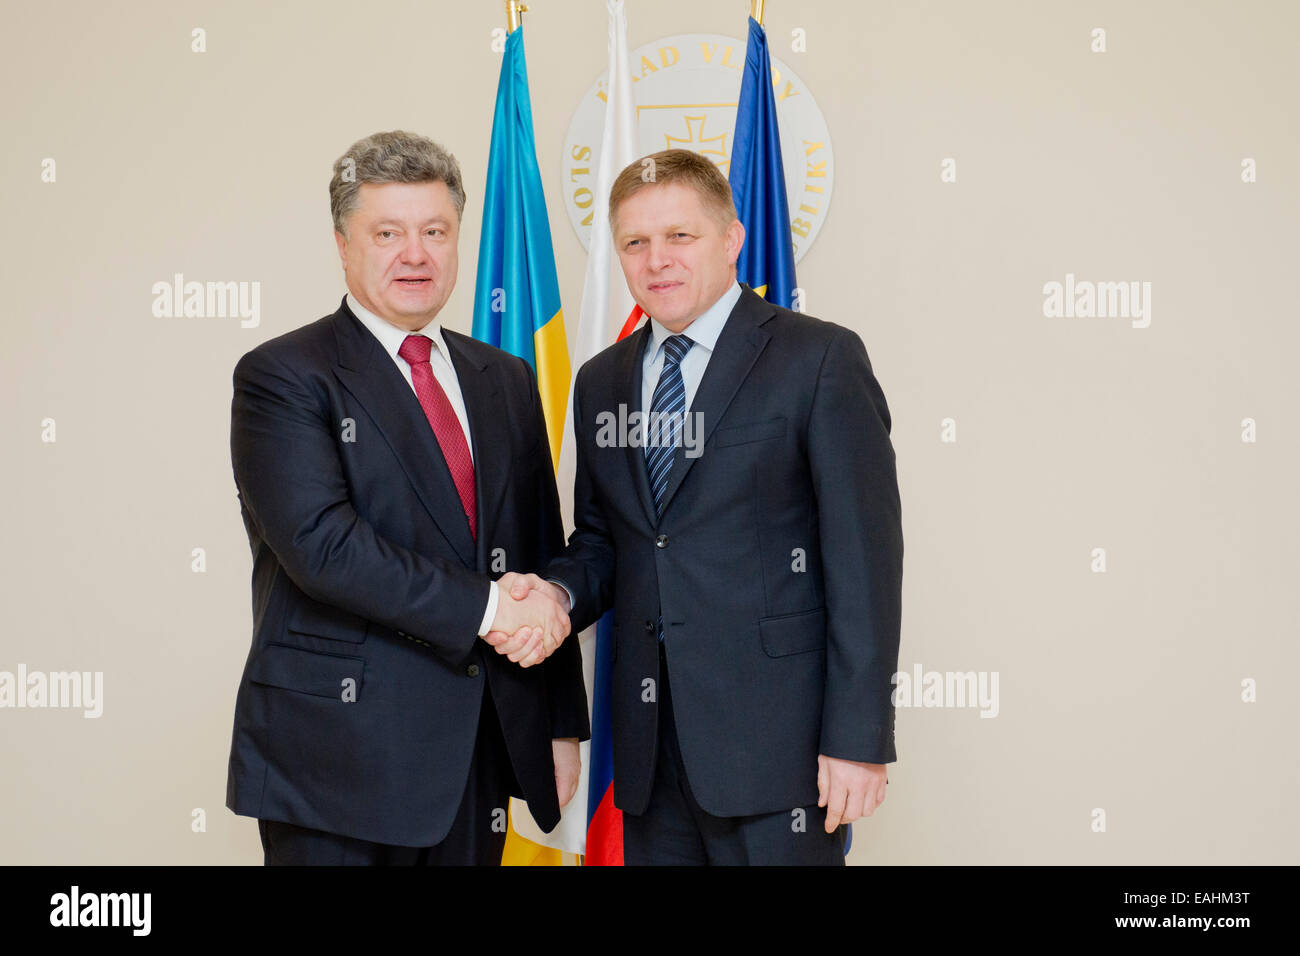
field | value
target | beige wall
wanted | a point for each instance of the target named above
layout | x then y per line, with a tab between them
1118	690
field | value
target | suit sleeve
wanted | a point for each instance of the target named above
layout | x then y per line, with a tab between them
586	567
860	527
566	691
290	480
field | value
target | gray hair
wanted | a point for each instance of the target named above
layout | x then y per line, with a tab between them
396	157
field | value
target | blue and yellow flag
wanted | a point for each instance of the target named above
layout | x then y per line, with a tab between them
757	178
517	298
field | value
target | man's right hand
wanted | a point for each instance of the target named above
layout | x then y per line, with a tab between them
518	585
527	629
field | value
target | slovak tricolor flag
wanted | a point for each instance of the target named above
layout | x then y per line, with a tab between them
606	304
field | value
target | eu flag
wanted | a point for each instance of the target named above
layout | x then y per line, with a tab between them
757	178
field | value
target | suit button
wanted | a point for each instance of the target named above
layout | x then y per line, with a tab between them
472	670
661	541
649	627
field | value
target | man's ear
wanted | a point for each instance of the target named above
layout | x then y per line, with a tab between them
342	242
734	238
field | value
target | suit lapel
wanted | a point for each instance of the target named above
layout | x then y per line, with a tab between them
627	393
373	379
741	342
489	436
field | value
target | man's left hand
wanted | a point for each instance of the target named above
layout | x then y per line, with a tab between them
848	789
568	764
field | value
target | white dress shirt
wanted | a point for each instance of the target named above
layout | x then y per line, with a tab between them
704	332
391	338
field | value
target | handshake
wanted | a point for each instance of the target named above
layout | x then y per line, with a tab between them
532	618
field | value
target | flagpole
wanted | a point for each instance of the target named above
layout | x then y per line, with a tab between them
756	11
515	14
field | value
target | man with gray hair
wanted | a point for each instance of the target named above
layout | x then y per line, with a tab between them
388	470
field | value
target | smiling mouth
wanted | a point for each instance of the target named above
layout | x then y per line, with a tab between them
412	283
663	286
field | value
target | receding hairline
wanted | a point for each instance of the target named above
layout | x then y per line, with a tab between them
681	166
713	211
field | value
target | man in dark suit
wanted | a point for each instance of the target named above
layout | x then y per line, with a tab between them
384	465
752	551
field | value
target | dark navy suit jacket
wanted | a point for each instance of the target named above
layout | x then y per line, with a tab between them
359	702
777	564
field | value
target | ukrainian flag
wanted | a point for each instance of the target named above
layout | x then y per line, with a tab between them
517	299
757	178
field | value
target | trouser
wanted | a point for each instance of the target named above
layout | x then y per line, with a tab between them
675	830
477	836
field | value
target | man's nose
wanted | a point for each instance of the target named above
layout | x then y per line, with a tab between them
660	255
413	250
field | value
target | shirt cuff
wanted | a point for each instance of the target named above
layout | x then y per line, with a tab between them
558	583
490	614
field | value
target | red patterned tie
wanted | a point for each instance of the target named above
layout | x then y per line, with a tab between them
446	426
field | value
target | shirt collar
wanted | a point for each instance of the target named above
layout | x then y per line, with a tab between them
390	336
705	329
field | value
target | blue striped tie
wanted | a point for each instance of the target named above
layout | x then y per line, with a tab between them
667	407
663	428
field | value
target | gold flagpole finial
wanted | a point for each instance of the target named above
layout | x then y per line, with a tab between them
514	15
756	11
